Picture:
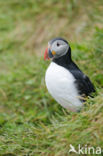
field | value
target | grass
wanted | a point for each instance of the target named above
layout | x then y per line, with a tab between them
31	122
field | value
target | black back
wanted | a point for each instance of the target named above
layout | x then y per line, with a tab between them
84	85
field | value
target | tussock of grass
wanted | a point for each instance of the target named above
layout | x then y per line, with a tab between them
31	122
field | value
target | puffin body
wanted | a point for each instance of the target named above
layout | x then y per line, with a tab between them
64	80
61	85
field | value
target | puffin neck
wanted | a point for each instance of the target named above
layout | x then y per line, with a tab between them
64	60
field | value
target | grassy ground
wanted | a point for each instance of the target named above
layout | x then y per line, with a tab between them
31	122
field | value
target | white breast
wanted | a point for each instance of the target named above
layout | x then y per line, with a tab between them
60	84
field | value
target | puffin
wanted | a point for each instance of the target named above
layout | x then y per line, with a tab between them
66	83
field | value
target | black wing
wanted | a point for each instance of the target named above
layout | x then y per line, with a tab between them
83	83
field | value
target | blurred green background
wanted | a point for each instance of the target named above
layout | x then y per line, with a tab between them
31	122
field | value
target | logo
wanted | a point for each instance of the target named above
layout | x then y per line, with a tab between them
85	150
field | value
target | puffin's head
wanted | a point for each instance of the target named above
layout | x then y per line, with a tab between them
57	47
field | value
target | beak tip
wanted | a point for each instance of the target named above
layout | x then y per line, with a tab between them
46	54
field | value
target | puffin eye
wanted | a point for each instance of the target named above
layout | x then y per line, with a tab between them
58	44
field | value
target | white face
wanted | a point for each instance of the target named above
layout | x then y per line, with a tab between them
59	47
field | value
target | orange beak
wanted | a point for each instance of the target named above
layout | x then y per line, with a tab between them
48	54
46	57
